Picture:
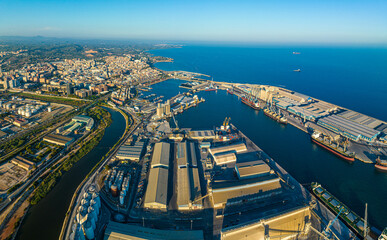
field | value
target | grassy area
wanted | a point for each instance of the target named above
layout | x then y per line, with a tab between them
55	99
103	118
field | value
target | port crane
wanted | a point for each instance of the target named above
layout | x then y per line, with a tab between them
175	121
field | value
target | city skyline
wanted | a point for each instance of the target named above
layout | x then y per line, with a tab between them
345	22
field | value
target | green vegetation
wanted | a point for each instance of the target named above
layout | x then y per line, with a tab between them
55	99
13	188
103	118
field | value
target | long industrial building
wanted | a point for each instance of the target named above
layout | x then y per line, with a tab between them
239	147
23	163
287	225
201	135
58	139
188	179
234	192
348	128
156	192
252	169
128	152
120	231
161	155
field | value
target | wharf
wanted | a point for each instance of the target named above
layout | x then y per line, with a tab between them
366	152
320	212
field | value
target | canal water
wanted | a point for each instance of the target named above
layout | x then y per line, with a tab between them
44	220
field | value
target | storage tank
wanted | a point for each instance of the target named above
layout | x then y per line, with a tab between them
28	114
81	215
114	190
92	211
94	205
80	234
88	230
91	218
122	197
85	202
91	189
96	198
49	109
72	236
87	196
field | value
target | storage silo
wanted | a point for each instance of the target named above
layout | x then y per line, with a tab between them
88	230
96	198
94	205
114	190
92	211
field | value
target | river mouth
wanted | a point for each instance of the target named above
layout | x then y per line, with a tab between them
44	220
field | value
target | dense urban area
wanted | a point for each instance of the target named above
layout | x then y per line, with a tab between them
160	181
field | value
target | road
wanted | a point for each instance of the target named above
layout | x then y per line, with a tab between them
66	229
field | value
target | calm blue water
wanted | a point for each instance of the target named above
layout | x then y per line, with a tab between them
355	78
354	184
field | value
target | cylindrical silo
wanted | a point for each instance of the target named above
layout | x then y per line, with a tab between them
89	230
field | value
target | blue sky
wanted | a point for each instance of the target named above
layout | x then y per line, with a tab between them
277	21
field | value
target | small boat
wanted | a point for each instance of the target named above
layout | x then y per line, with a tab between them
296	53
381	164
230	91
297	70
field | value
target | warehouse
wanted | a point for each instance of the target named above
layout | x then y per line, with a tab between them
348	128
193	162
362	119
224	158
23	163
195	188
201	135
156	192
161	155
181	154
252	169
188	189
289	223
240	147
58	139
183	190
120	231
127	152
234	192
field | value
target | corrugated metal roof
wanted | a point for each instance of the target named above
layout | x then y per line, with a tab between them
156	192
161	155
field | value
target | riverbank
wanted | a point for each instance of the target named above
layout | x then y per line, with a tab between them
51	210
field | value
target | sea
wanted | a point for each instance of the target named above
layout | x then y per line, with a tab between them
351	77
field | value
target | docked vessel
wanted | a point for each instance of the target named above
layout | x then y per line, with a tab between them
251	103
352	220
273	115
319	140
381	164
230	91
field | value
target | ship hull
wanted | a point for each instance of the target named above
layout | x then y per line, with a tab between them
275	119
229	92
250	104
381	167
351	159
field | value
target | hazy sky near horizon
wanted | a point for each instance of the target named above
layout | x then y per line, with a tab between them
280	21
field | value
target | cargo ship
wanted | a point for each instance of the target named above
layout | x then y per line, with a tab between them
276	117
350	218
250	103
381	165
230	91
316	138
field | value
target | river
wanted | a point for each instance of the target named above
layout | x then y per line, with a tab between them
44	220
